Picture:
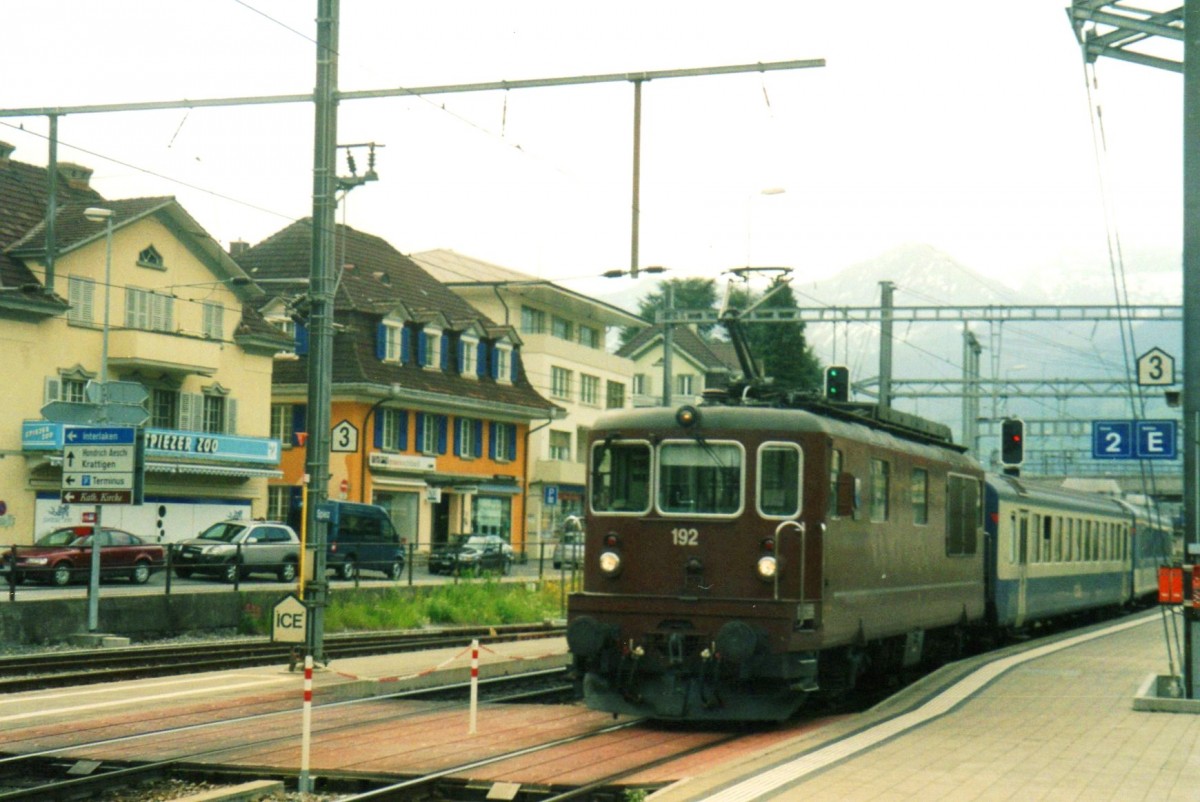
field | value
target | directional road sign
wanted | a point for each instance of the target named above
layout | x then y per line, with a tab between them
99	464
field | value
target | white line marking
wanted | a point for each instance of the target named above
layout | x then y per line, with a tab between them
793	770
138	699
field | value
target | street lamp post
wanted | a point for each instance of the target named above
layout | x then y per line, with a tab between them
95	215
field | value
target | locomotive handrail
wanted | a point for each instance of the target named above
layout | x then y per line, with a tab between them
779	551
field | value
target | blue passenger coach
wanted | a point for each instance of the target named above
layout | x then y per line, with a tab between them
1054	552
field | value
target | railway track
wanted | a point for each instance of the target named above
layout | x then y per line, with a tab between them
59	669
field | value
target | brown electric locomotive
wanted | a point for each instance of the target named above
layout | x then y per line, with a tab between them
741	556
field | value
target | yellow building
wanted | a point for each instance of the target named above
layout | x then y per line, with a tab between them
140	279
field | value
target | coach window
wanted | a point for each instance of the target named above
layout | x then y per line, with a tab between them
700	478
920	495
620	477
880	474
780	471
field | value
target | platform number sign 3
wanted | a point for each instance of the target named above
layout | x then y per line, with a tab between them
1156	368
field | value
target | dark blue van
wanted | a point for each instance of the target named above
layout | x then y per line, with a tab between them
361	537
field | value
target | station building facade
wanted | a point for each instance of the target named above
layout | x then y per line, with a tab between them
181	326
431	403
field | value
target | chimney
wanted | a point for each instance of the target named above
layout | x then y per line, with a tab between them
238	248
6	151
76	175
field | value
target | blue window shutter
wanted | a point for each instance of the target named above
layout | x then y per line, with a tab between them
445	352
377	422
420	444
458	444
492	440
301	339
441	434
405	345
515	367
512	443
422	347
494	364
481	364
478	439
402	444
381	342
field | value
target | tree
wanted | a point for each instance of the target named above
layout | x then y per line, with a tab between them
687	293
781	348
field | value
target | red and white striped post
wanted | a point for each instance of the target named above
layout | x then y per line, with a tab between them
474	683
305	784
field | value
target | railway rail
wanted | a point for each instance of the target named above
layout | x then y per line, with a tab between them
58	669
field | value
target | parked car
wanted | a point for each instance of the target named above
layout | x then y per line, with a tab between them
65	555
471	554
361	536
237	548
568	551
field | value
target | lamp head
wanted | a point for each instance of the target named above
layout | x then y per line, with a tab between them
97	214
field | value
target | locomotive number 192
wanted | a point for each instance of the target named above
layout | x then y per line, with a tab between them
685	537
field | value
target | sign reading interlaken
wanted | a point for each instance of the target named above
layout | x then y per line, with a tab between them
99	464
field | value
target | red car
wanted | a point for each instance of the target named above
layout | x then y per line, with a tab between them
65	555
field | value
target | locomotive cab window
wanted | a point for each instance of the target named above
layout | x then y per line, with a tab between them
780	473
700	478
620	477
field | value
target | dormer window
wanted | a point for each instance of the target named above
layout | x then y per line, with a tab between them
431	347
502	371
150	257
468	348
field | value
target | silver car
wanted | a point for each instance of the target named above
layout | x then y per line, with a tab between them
236	549
568	551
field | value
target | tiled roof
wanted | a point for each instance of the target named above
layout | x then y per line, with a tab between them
375	280
713	356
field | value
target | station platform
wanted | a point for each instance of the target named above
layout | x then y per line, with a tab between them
1053	720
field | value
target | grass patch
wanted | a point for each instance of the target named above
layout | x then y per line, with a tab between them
465	603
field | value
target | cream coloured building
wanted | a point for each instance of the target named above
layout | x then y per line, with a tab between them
180	327
564	336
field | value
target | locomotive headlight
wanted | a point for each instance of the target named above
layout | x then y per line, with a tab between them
610	562
767	566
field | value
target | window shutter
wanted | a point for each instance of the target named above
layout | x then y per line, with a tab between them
445	352
377	422
441	434
481	364
230	416
422	348
405	345
515	368
402	442
381	342
420	443
512	443
52	389
301	339
492	440
478	444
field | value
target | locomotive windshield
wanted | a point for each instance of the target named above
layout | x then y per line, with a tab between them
621	477
700	478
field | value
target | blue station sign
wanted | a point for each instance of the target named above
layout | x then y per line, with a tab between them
1135	439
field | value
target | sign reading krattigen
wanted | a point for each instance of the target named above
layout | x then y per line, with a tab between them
99	465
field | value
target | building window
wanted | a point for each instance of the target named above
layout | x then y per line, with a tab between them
533	321
81	295
560	383
506	442
560	446
214	320
164	408
589	389
393	422
467	348
466	440
920	495
431	434
149	311
615	397
641	384
879	489
502	372
683	384
281	423
73	390
433	347
279	498
214	414
561	328
150	257
589	337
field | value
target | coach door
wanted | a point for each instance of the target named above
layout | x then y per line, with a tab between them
1022	536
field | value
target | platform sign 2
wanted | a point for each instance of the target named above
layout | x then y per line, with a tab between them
1134	439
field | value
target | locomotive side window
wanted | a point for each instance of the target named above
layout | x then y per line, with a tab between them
880	486
835	470
621	477
700	478
780	472
920	495
962	514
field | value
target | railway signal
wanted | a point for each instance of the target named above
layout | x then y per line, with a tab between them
1012	441
837	383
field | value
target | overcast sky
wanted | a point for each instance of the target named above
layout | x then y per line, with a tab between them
964	125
